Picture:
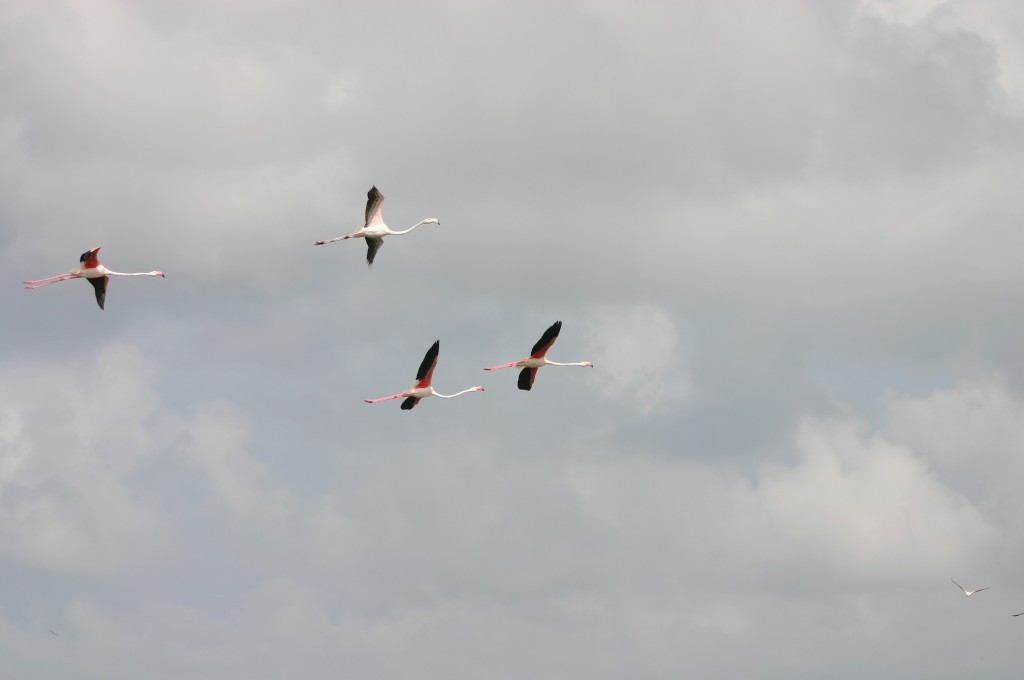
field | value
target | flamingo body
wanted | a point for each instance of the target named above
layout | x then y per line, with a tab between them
422	388
92	271
537	358
374	230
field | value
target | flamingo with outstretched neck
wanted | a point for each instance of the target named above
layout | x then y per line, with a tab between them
421	388
92	271
375	230
532	363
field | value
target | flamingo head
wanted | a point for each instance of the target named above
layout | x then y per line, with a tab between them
588	363
431	220
478	388
156	274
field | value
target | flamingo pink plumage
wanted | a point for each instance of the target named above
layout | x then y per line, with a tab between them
421	388
374	230
91	270
532	363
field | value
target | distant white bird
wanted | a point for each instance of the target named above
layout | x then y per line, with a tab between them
375	230
968	593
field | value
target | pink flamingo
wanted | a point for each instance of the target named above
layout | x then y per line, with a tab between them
92	271
375	230
537	359
421	388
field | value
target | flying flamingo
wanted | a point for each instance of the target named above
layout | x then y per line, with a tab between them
421	388
1021	614
92	271
375	230
968	593
533	362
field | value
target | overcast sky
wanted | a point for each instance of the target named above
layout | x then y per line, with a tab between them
788	235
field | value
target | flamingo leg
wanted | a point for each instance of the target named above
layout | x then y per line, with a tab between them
339	238
495	368
47	282
52	279
393	396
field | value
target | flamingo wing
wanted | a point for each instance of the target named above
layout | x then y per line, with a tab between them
410	403
372	246
90	259
374	201
426	372
100	284
546	340
526	378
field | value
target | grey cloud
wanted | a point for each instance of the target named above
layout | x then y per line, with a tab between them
786	235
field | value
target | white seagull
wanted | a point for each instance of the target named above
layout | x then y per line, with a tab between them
968	593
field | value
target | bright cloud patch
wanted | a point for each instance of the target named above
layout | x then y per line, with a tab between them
636	351
71	438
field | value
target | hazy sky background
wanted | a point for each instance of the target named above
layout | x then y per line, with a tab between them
787	234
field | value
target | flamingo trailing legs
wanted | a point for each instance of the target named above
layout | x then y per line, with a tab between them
421	388
532	363
92	271
375	230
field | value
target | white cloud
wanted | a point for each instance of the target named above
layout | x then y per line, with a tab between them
216	444
73	438
852	512
636	351
868	510
973	435
902	11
